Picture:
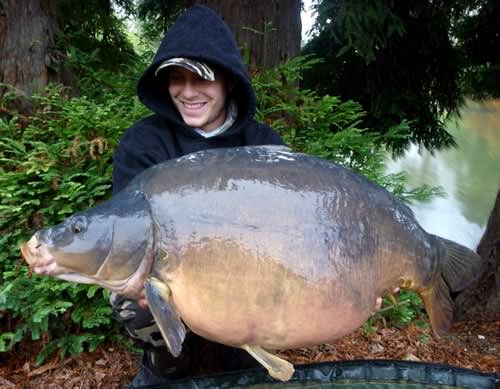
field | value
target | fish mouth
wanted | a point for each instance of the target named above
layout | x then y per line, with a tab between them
38	257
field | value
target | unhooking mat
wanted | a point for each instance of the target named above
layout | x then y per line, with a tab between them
366	374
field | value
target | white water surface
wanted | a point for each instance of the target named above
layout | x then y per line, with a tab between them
469	174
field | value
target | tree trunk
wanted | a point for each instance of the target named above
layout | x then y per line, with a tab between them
484	298
29	59
268	31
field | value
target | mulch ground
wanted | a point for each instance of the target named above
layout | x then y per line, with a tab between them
469	344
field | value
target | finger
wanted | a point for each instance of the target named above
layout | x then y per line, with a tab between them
143	303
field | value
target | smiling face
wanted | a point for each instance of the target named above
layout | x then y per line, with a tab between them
201	103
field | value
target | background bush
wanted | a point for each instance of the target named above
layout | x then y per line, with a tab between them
54	163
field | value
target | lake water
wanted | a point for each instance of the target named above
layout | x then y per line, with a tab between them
469	174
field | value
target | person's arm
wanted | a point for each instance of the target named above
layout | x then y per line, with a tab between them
262	134
272	138
132	155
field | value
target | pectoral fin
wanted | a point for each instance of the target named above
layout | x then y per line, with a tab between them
278	368
159	299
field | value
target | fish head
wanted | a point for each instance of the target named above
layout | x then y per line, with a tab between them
109	245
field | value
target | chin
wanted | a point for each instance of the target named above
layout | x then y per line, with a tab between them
195	125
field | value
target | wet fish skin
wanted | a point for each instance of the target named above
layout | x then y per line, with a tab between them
256	247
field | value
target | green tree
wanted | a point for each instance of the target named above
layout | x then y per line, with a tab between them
402	59
41	42
94	27
269	32
156	16
29	58
478	32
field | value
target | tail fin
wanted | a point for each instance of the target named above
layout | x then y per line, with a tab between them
462	267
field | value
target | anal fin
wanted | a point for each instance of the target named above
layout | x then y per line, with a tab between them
166	316
439	306
278	368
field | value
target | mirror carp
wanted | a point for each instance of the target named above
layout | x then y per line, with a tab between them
256	247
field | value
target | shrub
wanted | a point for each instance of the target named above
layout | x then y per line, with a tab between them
54	163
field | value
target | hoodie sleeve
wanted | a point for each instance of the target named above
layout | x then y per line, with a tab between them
133	154
261	134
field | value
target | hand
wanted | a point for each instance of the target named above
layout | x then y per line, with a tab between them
143	303
378	301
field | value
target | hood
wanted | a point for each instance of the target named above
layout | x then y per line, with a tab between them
202	35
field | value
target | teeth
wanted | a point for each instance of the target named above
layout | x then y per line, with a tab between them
193	106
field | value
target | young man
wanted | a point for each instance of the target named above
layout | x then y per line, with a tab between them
201	97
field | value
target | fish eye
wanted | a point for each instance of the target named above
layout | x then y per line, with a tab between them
79	225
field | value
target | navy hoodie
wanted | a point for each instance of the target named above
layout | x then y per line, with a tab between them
202	35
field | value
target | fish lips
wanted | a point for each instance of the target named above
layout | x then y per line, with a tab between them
38	256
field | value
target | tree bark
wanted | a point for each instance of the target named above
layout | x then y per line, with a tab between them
484	298
268	31
29	59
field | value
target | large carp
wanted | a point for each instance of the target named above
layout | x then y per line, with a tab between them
255	247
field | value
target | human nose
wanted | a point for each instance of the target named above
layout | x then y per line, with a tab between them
189	89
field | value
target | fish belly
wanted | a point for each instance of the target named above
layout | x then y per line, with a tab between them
266	305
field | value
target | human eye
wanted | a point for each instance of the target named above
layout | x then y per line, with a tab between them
174	76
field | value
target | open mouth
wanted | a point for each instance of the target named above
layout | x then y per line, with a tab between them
193	106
